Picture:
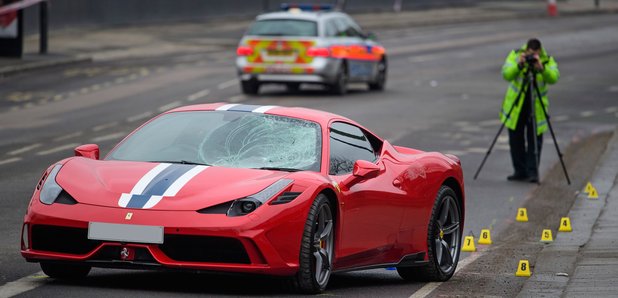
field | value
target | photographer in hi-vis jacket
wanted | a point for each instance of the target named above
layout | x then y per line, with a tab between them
521	136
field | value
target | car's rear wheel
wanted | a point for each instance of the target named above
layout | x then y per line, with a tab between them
443	240
340	86
317	248
65	271
380	80
250	87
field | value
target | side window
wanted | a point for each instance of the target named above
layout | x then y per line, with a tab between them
352	29
341	26
348	144
330	28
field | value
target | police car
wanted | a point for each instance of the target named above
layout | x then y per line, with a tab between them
309	44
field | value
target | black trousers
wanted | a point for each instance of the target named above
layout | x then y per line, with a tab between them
521	141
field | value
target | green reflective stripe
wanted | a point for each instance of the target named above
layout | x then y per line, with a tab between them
553	67
512	86
541	123
504	114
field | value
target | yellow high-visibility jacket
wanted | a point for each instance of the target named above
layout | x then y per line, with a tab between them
515	77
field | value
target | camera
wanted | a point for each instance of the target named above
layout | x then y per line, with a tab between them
530	59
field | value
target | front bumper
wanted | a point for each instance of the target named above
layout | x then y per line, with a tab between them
320	71
192	241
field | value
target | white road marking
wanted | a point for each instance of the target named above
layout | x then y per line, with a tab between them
228	84
587	113
423	58
3	162
23	284
611	110
141	116
491	122
613	89
170	106
112	136
58	149
71	135
430	287
477	150
24	149
197	95
104	126
237	98
560	118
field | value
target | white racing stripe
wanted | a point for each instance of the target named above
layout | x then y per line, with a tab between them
263	109
226	107
23	284
184	179
140	186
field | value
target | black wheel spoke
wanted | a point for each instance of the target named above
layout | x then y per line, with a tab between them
448	258
439	251
444	212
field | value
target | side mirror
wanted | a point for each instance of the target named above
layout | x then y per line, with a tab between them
88	151
370	35
365	169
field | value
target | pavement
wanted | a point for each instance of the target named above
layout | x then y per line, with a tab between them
109	43
584	262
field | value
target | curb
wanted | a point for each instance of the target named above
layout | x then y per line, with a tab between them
556	262
35	65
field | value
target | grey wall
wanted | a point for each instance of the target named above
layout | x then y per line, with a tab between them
67	13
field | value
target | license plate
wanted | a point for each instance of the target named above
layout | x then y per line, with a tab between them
280	52
125	233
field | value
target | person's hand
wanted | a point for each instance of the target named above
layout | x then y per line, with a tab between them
521	60
538	65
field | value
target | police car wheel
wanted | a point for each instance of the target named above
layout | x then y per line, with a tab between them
293	87
340	87
65	271
380	80
250	87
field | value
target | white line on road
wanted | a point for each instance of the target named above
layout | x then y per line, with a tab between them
141	116
23	284
58	149
197	95
24	149
227	84
611	109
104	126
112	136
71	135
10	160
560	118
170	106
587	113
237	98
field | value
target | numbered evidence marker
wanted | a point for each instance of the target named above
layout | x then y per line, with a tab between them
565	225
485	237
522	215
523	269
588	188
591	191
468	244
546	236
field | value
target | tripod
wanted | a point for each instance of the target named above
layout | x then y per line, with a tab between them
531	88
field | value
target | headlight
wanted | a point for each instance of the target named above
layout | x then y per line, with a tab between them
251	203
51	189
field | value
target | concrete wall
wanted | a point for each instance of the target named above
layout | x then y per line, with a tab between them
67	13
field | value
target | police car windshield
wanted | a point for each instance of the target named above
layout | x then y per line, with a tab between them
284	27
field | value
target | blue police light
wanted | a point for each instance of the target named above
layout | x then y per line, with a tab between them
306	7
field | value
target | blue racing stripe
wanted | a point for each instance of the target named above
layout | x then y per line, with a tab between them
159	184
244	108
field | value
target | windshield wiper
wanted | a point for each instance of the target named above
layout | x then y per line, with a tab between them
184	162
279	169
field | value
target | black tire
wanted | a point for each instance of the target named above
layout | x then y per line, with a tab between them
444	230
320	218
340	86
380	81
250	87
65	271
293	87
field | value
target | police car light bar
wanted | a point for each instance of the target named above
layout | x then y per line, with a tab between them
306	7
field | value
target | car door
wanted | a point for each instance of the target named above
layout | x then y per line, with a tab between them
372	208
361	65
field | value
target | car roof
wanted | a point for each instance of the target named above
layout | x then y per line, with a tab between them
298	15
318	116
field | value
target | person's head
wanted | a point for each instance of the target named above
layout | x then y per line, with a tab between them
533	46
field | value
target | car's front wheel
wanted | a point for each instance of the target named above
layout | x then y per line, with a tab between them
443	240
340	86
65	271
317	248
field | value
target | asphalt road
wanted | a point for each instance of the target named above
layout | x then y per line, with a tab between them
444	94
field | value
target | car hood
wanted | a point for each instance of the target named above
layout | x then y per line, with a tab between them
159	186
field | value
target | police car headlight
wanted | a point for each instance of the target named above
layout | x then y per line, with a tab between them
51	189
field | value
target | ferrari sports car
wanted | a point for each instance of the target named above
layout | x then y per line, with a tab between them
280	191
309	44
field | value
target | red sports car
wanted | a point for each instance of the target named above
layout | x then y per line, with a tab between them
251	189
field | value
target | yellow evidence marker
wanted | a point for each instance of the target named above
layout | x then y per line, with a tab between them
468	244
588	188
565	225
523	269
546	236
522	215
485	237
593	194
